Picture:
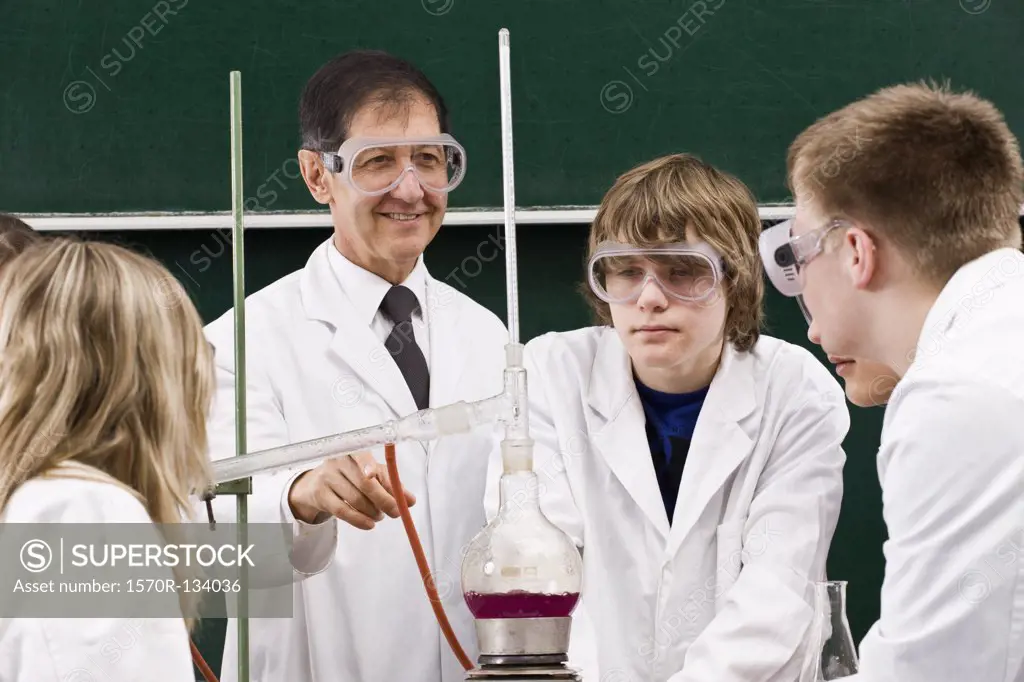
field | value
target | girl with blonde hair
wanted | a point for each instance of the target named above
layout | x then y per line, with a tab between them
105	384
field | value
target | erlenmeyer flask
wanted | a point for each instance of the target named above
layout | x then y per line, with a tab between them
831	653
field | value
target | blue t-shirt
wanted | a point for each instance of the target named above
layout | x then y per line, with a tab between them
671	420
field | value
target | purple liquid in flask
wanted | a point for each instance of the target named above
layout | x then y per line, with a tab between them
521	604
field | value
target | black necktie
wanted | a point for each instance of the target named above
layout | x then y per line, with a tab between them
398	305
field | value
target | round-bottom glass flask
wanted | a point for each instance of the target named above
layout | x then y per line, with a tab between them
521	565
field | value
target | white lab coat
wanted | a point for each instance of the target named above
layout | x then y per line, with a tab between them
88	649
723	593
313	369
951	466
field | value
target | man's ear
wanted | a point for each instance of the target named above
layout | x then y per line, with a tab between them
863	255
318	180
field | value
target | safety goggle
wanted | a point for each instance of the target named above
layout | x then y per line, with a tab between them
784	256
618	273
377	165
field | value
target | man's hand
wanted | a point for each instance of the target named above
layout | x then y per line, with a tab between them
355	488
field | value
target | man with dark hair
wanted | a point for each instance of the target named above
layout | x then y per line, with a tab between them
361	335
15	236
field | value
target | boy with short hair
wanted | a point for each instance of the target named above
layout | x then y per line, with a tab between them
908	253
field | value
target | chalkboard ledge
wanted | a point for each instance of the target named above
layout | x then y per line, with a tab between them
540	215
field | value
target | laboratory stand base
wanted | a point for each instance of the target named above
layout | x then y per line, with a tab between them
521	649
522	673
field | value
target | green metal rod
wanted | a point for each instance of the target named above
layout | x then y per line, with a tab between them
238	264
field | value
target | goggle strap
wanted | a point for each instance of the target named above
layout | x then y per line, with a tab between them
332	161
803	308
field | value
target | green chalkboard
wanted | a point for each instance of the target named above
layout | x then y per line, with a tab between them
122	105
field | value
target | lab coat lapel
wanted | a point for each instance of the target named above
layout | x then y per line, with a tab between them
619	430
719	444
354	342
447	341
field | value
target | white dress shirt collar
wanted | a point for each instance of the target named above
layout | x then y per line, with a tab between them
366	289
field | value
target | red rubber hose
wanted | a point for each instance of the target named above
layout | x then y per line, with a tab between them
421	559
197	659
